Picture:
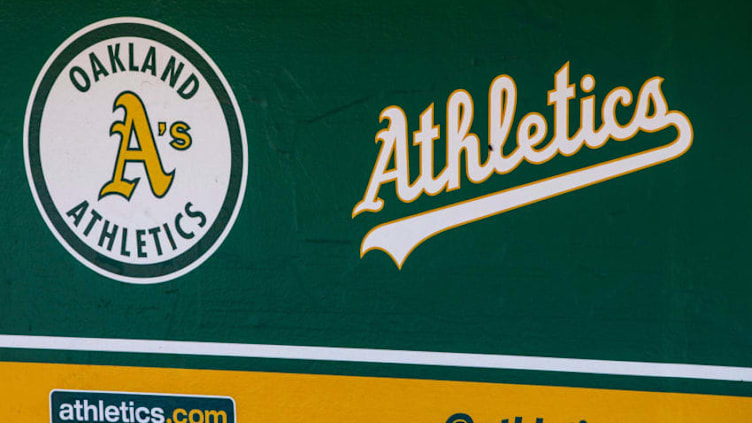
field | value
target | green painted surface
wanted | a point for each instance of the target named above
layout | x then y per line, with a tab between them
653	266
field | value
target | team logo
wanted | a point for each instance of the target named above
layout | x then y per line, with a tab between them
135	150
533	145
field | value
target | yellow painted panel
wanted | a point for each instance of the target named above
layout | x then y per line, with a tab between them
299	398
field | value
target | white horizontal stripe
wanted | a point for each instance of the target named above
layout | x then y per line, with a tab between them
364	355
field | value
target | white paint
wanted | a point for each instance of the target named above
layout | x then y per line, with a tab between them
204	169
364	355
398	238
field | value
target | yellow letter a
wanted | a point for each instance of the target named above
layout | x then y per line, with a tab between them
135	122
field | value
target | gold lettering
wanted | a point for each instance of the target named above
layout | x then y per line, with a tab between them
135	122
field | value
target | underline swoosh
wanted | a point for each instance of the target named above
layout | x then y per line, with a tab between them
398	238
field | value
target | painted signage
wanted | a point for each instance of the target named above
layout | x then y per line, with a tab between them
194	196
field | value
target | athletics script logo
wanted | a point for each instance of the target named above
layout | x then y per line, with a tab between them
135	150
399	238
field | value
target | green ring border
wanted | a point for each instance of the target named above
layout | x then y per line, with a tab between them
138	30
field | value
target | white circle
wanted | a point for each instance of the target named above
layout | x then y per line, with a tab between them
78	154
587	83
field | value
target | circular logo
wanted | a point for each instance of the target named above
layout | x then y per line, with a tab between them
135	150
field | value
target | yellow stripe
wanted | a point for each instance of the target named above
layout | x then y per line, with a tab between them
295	398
